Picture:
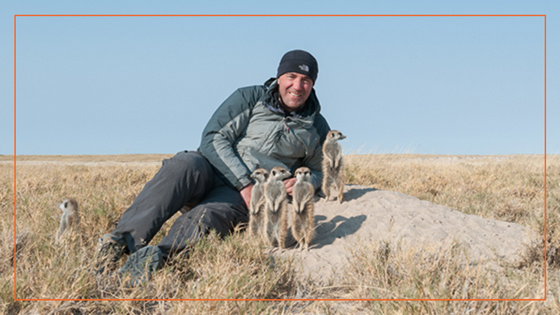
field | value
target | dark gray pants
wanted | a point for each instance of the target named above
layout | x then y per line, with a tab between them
185	179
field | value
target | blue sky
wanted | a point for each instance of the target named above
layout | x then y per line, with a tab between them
428	85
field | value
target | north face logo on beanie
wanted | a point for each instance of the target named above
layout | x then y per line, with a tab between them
304	68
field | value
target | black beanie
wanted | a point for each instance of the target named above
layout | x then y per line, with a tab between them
298	61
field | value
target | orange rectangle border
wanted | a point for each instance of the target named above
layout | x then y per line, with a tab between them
280	15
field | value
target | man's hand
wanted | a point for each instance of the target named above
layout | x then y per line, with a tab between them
246	194
289	184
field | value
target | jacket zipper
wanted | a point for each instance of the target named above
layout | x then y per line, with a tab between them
286	124
295	135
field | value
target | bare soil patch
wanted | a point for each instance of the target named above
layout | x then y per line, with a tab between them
371	215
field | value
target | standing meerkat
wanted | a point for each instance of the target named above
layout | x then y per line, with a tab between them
257	205
333	165
303	224
276	214
70	217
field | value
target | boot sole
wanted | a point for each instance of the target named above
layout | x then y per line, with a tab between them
140	265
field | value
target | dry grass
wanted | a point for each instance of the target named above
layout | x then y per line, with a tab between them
509	188
120	158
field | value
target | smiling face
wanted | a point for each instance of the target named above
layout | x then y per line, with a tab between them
294	89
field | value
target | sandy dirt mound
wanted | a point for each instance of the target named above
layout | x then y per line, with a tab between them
371	214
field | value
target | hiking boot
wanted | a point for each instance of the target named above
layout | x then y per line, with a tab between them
110	251
140	266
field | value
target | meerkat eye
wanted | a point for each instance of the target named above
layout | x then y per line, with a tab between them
66	204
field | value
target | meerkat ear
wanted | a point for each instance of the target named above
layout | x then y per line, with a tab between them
265	175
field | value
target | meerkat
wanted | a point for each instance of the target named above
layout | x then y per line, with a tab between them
303	224
70	217
333	165
276	216
257	204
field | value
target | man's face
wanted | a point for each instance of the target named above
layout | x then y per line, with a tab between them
294	89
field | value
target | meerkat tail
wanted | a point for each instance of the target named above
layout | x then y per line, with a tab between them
283	228
267	234
250	228
342	180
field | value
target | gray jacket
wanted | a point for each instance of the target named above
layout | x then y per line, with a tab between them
250	130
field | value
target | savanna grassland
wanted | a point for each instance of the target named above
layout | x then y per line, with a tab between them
507	188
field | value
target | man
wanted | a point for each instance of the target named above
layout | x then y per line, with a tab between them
275	124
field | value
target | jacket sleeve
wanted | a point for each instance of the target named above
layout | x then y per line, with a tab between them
314	161
223	131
